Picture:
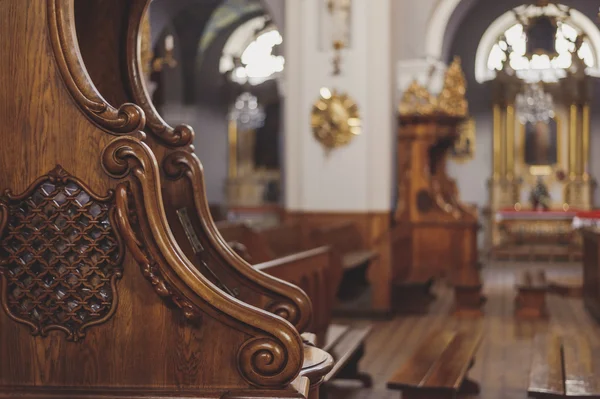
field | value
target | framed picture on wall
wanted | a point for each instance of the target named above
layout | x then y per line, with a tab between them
541	152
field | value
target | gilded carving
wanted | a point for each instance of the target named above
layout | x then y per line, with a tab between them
335	119
418	101
60	257
452	100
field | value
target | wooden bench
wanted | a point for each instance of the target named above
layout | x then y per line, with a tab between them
287	238
355	256
438	368
564	366
530	302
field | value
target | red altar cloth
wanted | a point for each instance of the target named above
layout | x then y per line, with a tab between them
529	214
586	219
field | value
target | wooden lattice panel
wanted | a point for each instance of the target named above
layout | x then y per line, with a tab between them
60	256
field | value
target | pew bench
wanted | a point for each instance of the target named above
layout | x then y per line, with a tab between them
530	302
347	346
438	368
355	257
564	366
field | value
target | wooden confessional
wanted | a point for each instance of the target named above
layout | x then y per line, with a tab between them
101	297
442	230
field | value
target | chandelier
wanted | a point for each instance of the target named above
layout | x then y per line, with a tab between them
247	113
534	104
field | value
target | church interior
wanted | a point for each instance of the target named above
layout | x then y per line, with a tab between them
244	199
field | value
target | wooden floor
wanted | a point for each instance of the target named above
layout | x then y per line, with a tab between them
503	361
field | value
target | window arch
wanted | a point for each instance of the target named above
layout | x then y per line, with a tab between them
505	38
251	55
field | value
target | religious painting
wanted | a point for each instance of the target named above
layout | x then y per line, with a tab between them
464	146
541	144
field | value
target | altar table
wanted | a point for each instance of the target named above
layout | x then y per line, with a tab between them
537	235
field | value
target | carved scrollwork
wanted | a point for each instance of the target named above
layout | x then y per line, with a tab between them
180	136
60	257
149	267
263	359
284	309
275	348
295	308
128	118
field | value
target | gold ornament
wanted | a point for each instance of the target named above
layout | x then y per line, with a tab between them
452	100
418	101
335	119
464	146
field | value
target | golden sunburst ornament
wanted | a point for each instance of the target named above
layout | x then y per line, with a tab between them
335	119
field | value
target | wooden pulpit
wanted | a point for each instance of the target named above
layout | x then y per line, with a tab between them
103	295
442	230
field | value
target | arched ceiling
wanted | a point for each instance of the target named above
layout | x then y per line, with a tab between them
228	13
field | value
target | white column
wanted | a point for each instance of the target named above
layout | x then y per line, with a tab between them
357	177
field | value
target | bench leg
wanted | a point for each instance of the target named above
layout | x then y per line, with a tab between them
351	372
468	302
469	387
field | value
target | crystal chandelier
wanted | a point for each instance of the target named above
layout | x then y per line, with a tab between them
247	113
534	104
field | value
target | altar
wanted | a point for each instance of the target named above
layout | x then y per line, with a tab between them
531	235
540	161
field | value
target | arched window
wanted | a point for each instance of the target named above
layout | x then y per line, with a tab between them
251	54
505	42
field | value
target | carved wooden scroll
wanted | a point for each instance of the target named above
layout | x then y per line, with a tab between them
129	118
180	136
270	358
60	256
292	303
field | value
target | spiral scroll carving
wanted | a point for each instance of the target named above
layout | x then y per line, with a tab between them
262	361
286	310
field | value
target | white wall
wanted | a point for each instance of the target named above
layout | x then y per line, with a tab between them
356	177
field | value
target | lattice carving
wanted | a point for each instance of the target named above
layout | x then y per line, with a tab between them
60	256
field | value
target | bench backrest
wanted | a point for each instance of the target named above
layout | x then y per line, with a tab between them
286	239
311	271
344	237
256	247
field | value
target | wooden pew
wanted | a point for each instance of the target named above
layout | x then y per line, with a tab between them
438	368
530	302
347	243
564	366
288	238
317	272
99	300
